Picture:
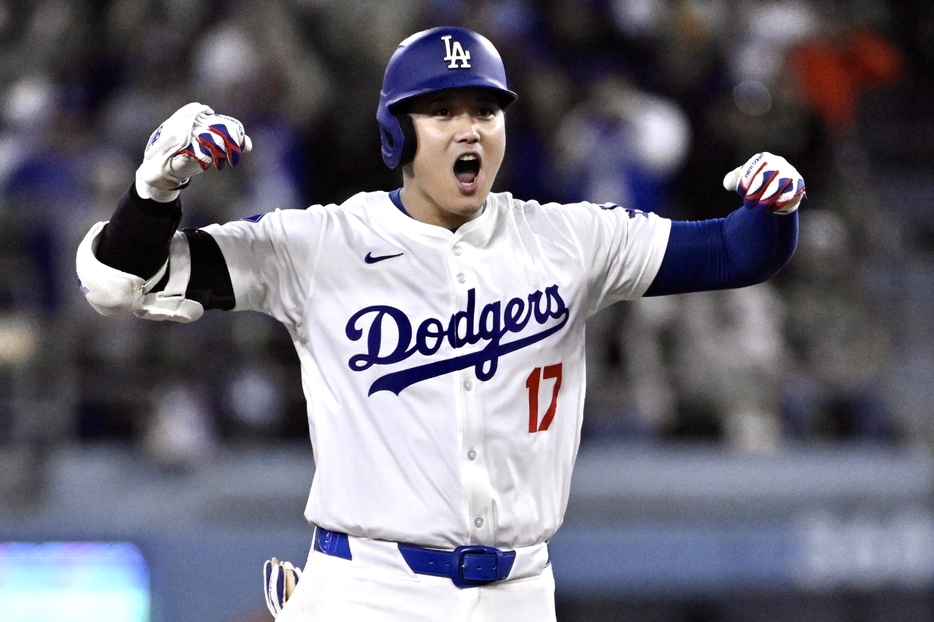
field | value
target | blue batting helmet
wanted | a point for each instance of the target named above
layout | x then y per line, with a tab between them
429	61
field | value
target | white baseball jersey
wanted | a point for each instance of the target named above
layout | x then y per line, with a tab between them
444	372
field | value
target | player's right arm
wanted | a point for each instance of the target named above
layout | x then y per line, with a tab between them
138	262
748	246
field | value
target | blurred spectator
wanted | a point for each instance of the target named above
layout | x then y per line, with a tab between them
611	409
548	93
840	63
744	99
623	146
709	365
834	386
180	434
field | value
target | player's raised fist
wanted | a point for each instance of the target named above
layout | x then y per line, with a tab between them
216	139
190	141
768	182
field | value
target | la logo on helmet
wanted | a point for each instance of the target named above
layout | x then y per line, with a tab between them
456	53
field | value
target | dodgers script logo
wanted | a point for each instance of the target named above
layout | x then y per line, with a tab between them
382	323
456	53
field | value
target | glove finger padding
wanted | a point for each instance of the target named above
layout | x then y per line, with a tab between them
216	139
280	579
767	182
191	140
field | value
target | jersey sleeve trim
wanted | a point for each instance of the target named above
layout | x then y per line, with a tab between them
653	265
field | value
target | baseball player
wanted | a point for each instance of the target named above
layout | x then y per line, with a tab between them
440	329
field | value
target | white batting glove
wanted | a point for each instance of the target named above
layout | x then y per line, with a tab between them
767	182
190	141
280	581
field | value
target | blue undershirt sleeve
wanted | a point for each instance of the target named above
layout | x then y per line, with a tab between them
745	248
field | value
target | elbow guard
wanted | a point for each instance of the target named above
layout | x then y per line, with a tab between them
113	292
110	291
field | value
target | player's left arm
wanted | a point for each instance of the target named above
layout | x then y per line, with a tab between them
748	246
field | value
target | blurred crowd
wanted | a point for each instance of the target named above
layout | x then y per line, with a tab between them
646	103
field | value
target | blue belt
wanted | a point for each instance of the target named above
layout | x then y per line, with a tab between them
466	566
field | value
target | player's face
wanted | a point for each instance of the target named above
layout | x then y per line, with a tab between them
461	139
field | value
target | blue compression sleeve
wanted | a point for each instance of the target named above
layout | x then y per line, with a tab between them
745	248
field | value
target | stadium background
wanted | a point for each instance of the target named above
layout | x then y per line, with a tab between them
759	454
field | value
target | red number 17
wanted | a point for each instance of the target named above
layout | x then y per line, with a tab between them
532	383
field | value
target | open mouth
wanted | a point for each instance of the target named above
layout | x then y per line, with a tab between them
466	169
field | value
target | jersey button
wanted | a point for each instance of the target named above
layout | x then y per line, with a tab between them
457	251
468	385
478	522
471	455
461	278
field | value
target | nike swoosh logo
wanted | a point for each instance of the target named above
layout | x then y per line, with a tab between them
371	259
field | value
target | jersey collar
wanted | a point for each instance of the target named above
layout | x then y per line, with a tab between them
396	198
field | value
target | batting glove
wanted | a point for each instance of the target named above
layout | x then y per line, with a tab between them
190	141
767	182
280	581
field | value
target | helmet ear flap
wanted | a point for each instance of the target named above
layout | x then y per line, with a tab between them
397	135
409	145
392	138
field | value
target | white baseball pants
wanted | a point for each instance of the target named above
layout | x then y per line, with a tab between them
377	585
